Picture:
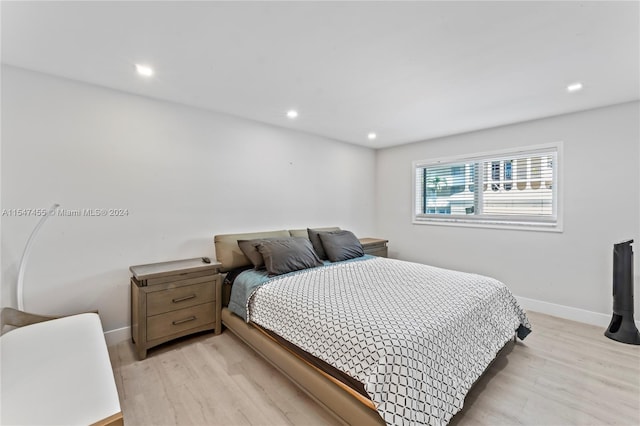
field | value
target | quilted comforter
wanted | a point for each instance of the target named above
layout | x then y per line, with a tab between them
416	336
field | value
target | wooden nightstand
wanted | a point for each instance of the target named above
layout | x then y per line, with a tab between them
374	246
174	299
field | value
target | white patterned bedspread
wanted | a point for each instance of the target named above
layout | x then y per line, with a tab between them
416	336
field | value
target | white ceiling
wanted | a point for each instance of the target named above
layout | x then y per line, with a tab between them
408	71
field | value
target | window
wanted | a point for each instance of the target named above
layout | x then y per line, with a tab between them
511	189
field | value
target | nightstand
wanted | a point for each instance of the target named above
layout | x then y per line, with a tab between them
374	246
174	299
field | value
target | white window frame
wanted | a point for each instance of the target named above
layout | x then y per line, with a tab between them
547	224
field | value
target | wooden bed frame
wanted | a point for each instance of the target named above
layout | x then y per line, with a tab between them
343	402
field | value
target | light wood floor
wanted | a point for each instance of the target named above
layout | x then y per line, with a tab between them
564	373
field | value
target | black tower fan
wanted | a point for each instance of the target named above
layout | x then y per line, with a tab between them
622	327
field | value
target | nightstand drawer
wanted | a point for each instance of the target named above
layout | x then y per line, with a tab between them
169	300
376	251
174	322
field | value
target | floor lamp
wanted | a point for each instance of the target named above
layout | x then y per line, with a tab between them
25	255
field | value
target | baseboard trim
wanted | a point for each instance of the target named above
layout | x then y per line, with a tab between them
113	337
567	312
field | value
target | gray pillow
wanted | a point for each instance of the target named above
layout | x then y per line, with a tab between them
315	240
341	245
250	249
288	255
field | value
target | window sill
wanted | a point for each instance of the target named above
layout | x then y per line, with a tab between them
517	226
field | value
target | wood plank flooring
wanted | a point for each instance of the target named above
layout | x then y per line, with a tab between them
564	373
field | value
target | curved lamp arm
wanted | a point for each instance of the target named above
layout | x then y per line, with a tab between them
25	255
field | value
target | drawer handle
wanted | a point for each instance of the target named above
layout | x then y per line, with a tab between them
176	322
182	299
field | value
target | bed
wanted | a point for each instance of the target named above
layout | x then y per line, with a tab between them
373	340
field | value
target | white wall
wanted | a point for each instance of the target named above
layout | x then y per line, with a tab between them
601	207
184	174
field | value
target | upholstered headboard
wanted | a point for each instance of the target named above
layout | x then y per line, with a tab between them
229	254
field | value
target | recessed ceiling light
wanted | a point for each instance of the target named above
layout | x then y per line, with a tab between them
574	87
292	113
144	70
372	136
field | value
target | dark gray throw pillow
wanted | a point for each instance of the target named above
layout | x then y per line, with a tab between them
315	240
250	249
288	255
341	245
